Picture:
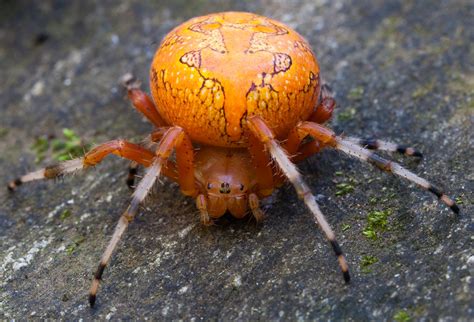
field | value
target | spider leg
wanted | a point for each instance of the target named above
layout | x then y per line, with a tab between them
375	144
323	112
329	138
201	205
262	131
172	139
121	148
298	151
260	160
132	172
141	101
327	104
255	208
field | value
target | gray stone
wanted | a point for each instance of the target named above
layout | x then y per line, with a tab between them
402	71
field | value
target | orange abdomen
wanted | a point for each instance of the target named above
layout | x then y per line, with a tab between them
212	72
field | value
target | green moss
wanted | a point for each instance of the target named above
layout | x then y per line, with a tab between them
373	201
346	227
422	90
344	188
377	222
65	148
461	83
40	147
70	249
65	214
366	262
346	115
401	316
356	93
459	200
3	132
68	148
390	27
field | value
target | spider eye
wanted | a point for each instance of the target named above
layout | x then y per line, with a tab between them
241	187
209	186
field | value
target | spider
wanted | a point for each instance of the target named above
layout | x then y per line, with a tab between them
238	98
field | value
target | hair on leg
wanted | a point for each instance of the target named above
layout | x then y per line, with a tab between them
375	144
174	138
262	131
50	172
121	148
138	196
329	138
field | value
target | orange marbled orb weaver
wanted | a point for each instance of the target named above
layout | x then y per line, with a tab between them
247	91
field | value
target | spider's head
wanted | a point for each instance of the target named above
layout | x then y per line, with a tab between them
227	193
225	180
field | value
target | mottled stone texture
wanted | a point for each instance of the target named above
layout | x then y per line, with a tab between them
401	69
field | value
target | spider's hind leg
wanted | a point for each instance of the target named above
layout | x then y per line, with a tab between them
326	106
142	101
328	138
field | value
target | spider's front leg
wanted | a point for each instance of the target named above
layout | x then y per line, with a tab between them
173	138
121	148
261	130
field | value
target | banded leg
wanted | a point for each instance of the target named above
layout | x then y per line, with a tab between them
132	172
171	140
329	138
141	101
374	144
262	131
121	148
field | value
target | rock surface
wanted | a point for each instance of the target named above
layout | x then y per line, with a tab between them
401	71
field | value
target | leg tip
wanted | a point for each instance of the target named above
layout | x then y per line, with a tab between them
12	185
455	209
131	184
92	300
347	277
129	81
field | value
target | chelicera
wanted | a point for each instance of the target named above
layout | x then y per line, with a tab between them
239	100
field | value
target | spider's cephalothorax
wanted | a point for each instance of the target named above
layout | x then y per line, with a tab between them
226	182
239	99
